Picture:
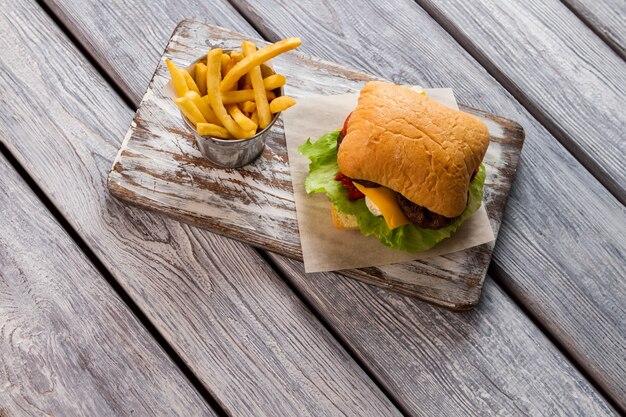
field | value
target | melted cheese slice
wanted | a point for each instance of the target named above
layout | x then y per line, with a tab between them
385	200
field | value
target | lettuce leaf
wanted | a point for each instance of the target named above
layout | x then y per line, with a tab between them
321	179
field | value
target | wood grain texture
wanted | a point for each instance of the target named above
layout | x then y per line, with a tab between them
159	167
557	67
490	361
548	251
151	25
562	243
249	339
606	18
69	346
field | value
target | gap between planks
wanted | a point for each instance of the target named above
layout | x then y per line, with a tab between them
82	245
575	150
498	275
605	38
342	342
117	288
494	272
84	51
270	36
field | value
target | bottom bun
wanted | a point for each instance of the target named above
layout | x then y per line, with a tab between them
343	221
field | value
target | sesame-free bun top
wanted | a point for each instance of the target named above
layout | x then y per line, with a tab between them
403	140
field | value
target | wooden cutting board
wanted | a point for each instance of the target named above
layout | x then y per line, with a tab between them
160	168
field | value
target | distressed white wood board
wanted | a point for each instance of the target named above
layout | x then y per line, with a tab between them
160	168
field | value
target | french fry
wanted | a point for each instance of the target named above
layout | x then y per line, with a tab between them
215	99
203	106
189	109
201	77
274	81
232	95
241	119
255	59
178	79
260	97
229	66
238	96
191	84
236	56
216	121
281	103
225	63
248	106
209	129
255	117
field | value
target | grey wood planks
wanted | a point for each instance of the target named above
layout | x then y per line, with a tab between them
248	338
550	174
150	34
562	242
160	168
557	67
488	361
68	344
607	18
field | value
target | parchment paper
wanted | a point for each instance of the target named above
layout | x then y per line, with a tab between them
326	248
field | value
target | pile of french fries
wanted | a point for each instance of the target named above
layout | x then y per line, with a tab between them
232	95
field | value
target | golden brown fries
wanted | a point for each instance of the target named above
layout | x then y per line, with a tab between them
225	60
238	96
178	79
209	129
232	95
229	66
248	106
191	84
255	117
281	103
215	98
190	110
203	106
236	55
201	78
216	121
241	119
257	58
260	97
274	81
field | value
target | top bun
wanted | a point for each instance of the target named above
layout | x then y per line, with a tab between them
405	141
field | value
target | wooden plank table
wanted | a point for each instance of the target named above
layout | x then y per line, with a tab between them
253	333
69	344
563	197
548	59
251	342
606	18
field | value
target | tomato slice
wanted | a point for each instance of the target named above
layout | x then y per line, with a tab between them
346	182
344	130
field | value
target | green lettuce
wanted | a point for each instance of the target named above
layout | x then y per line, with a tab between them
321	179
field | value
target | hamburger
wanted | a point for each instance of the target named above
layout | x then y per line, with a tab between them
403	168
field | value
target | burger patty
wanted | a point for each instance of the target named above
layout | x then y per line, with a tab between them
366	183
421	216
